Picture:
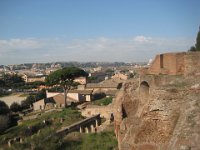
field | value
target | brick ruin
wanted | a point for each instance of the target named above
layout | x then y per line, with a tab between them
175	64
161	109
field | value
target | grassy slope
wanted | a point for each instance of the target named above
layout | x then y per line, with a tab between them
96	141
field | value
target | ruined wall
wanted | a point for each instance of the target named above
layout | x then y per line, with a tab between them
169	63
166	117
192	63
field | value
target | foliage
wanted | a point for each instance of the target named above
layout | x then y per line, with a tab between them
4	123
95	141
29	130
92	79
28	102
109	72
32	85
43	141
4	109
4	93
97	96
4	116
15	107
11	81
65	78
192	49
104	101
197	45
40	95
56	89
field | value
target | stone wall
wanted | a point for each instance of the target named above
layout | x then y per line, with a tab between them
192	63
165	119
175	64
169	63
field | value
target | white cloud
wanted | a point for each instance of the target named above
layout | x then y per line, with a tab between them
142	38
138	48
19	44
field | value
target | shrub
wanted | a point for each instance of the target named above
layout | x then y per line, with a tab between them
15	107
4	122
4	109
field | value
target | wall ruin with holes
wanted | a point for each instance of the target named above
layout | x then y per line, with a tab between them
158	117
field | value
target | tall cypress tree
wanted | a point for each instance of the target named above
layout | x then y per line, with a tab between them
197	45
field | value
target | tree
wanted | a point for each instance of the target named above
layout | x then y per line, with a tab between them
25	104
4	116
12	81
65	78
197	45
15	107
40	95
4	109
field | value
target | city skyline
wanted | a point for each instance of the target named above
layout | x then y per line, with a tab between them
131	31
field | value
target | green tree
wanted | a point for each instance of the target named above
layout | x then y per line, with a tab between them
40	95
65	78
4	109
15	107
25	104
197	45
12	80
4	116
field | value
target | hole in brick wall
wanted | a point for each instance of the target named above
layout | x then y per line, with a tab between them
144	90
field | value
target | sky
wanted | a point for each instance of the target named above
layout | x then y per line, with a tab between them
37	31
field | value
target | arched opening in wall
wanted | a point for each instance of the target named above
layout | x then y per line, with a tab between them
144	90
124	114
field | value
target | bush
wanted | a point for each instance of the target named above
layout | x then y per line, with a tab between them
4	123
15	107
104	101
98	96
25	104
4	109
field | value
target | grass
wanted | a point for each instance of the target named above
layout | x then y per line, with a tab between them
95	141
23	95
42	141
69	116
103	101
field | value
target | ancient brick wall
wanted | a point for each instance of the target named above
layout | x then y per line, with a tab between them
169	63
192	63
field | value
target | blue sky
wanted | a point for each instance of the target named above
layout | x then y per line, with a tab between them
95	30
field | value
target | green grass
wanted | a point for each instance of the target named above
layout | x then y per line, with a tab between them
94	141
23	95
69	115
103	101
74	141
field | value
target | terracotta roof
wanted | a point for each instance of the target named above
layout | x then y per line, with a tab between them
59	99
